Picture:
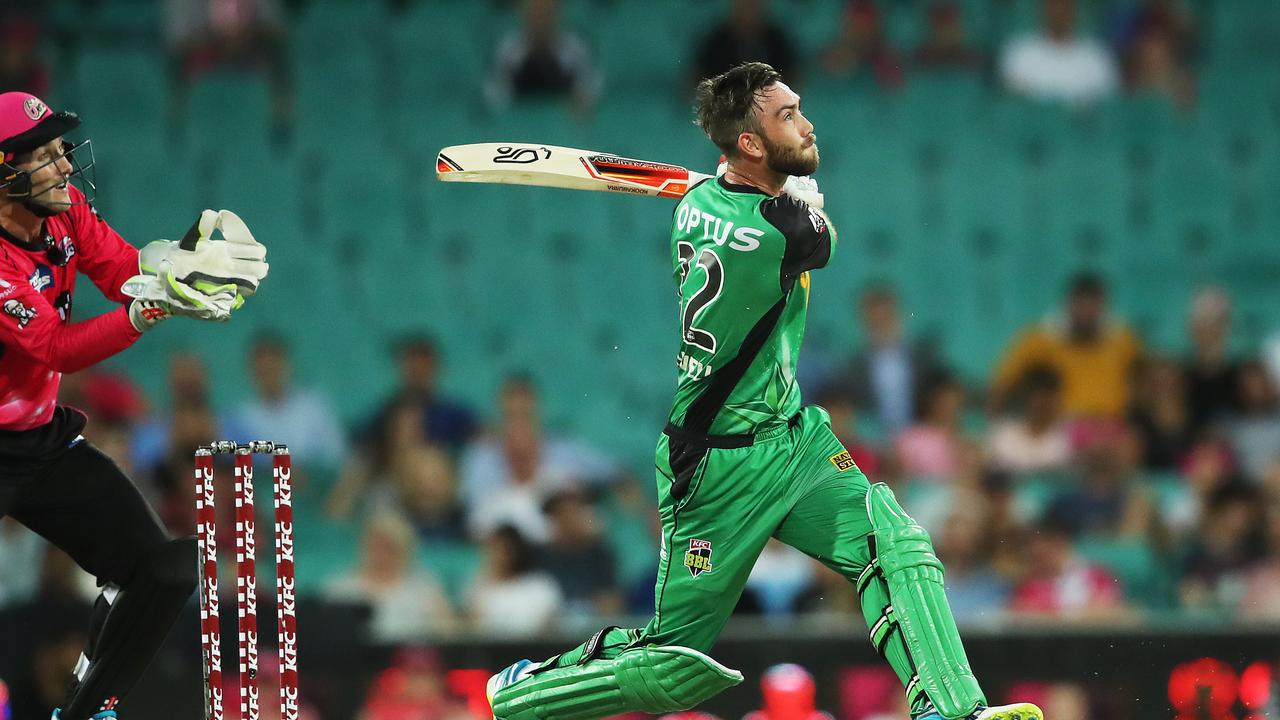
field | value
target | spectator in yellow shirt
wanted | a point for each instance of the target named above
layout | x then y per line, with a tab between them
1092	353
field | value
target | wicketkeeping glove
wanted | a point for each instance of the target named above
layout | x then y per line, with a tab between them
157	298
205	264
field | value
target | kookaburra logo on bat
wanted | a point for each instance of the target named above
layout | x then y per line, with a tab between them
520	155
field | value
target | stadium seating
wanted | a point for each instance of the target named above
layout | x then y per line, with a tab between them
944	186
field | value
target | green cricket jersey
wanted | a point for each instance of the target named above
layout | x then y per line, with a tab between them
740	258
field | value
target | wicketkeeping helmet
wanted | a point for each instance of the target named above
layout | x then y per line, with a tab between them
26	123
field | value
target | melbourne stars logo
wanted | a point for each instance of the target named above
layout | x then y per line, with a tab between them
698	557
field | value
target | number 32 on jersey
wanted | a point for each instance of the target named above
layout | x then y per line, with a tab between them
707	294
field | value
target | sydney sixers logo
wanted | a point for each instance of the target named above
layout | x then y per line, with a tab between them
34	108
68	248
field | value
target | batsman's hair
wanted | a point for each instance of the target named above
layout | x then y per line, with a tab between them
726	103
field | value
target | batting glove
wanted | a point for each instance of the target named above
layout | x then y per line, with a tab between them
799	187
804	188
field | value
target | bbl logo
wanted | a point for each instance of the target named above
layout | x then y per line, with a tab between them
842	461
698	558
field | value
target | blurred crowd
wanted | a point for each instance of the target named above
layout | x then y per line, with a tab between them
1092	479
1140	47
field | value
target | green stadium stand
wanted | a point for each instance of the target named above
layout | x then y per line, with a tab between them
975	206
452	563
122	94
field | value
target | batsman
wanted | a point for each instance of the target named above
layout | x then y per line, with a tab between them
742	461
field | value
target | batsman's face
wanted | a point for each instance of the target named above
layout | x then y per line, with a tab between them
50	169
791	147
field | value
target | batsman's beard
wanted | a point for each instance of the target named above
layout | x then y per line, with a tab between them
786	160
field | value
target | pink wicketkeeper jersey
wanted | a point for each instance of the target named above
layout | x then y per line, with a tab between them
38	341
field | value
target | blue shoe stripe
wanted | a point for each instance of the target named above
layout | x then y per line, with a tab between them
510	674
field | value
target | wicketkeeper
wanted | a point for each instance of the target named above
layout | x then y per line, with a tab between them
51	479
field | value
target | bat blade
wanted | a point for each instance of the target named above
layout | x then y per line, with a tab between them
561	167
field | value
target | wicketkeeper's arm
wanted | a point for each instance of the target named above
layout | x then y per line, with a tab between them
30	325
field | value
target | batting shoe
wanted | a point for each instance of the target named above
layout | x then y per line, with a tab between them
104	715
514	673
1016	711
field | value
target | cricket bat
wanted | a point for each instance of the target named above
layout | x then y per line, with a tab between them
551	166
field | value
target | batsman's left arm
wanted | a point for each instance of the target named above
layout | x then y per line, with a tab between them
810	237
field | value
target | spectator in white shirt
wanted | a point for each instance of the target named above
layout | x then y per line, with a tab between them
1058	64
1037	440
1254	432
301	418
408	602
508	595
524	481
506	477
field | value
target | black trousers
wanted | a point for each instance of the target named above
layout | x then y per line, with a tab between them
67	491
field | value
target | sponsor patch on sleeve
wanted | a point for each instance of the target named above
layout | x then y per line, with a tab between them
23	313
842	461
815	219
